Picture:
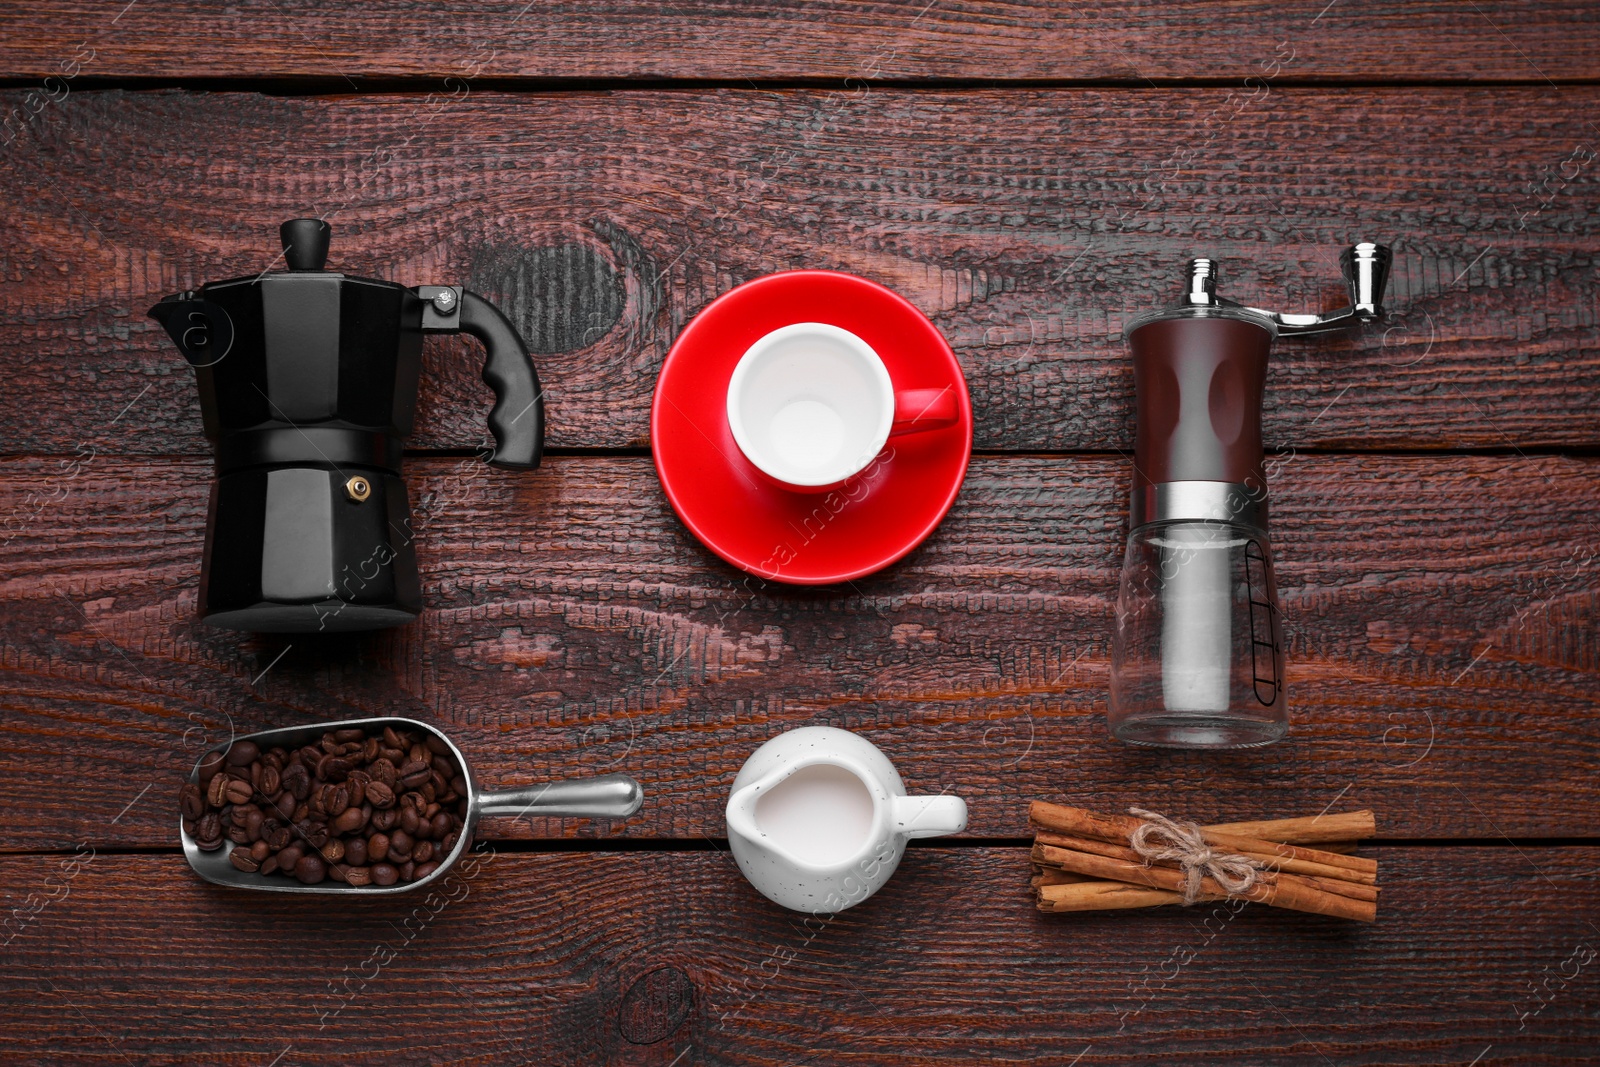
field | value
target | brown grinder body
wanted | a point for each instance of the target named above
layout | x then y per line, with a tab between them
1199	383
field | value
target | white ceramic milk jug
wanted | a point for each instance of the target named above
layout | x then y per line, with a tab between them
818	819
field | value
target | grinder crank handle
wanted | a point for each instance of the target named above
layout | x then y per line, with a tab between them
517	418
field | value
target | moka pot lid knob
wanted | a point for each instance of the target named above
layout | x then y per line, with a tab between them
305	243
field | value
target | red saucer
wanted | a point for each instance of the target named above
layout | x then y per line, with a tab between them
806	538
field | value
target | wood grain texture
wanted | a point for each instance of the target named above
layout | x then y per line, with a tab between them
1031	225
1441	619
738	39
559	958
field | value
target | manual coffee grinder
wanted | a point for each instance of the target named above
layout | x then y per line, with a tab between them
308	383
1197	658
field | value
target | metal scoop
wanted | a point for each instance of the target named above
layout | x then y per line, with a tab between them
610	796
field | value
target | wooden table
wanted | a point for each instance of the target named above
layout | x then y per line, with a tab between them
1031	175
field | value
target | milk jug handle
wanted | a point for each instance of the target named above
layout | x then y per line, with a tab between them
929	816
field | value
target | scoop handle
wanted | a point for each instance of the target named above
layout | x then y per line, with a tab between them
610	796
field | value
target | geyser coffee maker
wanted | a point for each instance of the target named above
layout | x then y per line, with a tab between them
308	383
1197	658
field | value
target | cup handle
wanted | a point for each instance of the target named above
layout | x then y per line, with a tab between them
916	410
929	816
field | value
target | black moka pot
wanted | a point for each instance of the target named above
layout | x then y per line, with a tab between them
308	383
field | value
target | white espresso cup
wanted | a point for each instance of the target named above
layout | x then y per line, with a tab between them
811	405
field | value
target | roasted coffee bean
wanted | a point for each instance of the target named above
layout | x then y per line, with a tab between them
423	852
290	855
357	875
385	820
442	826
238	835
408	871
254	774
334	768
210	764
333	851
297	780
369	750
314	832
329	744
217	791
243	753
385	874
458	786
270	781
239	791
378	848
190	801
260	851
310	870
355	851
188	825
380	795
269	865
445	766
449	842
395	756
276	834
350	733
242	859
357	782
285	804
409	819
383	771
423	870
436	745
400	845
335	799
349	820
413	774
302	811
392	739
253	821
275	758
208	832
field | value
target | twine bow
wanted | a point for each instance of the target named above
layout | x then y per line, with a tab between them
1160	838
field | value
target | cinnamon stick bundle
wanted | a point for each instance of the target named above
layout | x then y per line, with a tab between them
1085	862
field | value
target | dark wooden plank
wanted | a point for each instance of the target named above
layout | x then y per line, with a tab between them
1441	615
661	958
1030	224
737	39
